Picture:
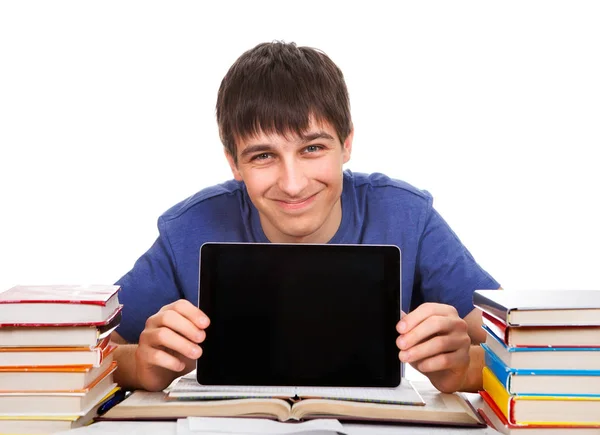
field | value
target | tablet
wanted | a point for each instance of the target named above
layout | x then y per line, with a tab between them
300	315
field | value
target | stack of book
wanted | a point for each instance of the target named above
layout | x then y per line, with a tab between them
56	359
542	361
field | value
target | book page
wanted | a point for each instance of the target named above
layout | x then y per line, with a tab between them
440	408
149	405
405	394
187	388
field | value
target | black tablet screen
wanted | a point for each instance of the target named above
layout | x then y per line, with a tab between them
300	315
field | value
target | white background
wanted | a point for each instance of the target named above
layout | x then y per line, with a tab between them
107	119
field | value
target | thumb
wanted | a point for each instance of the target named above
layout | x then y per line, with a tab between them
400	326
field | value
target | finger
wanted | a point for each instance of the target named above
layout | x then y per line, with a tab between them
169	339
161	358
173	320
436	325
189	311
444	361
424	311
435	346
402	316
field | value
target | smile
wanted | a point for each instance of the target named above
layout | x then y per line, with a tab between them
296	205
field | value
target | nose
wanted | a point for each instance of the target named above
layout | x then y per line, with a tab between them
292	179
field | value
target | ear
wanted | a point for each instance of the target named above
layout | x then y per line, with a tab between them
347	148
232	165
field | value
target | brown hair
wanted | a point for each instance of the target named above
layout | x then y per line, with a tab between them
275	88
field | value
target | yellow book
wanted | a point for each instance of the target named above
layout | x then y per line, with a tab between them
580	411
36	424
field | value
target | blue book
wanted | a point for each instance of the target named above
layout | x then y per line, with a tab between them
585	383
544	358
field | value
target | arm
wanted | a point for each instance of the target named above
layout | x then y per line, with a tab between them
168	348
441	337
473	381
124	355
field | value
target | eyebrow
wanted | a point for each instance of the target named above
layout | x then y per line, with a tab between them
316	135
261	148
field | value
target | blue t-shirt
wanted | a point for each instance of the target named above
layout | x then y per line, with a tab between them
436	267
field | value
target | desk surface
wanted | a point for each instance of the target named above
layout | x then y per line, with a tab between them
169	428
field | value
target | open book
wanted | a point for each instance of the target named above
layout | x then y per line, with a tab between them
402	404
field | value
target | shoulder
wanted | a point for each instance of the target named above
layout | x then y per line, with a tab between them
380	186
218	198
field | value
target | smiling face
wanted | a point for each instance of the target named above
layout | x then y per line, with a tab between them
295	182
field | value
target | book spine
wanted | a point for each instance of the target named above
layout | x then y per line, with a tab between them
491	307
502	419
497	367
550	349
499	395
497	327
498	339
507	402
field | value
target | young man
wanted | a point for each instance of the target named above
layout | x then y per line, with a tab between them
284	119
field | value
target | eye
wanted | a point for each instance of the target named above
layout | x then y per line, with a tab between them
263	156
313	148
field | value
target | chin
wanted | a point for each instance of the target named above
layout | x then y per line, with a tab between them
299	232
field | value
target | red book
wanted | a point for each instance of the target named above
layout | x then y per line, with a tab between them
543	336
58	335
58	305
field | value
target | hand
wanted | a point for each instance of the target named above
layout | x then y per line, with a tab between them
434	341
168	346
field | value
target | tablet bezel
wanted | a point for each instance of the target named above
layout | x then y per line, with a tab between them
392	256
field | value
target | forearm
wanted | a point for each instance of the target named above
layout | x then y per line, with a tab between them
125	375
474	381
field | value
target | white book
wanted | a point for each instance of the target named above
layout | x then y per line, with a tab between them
541	307
65	378
38	305
55	404
55	356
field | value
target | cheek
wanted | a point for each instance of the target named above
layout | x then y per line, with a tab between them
325	169
328	172
257	184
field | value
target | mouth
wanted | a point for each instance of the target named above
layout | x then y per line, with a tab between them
296	204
